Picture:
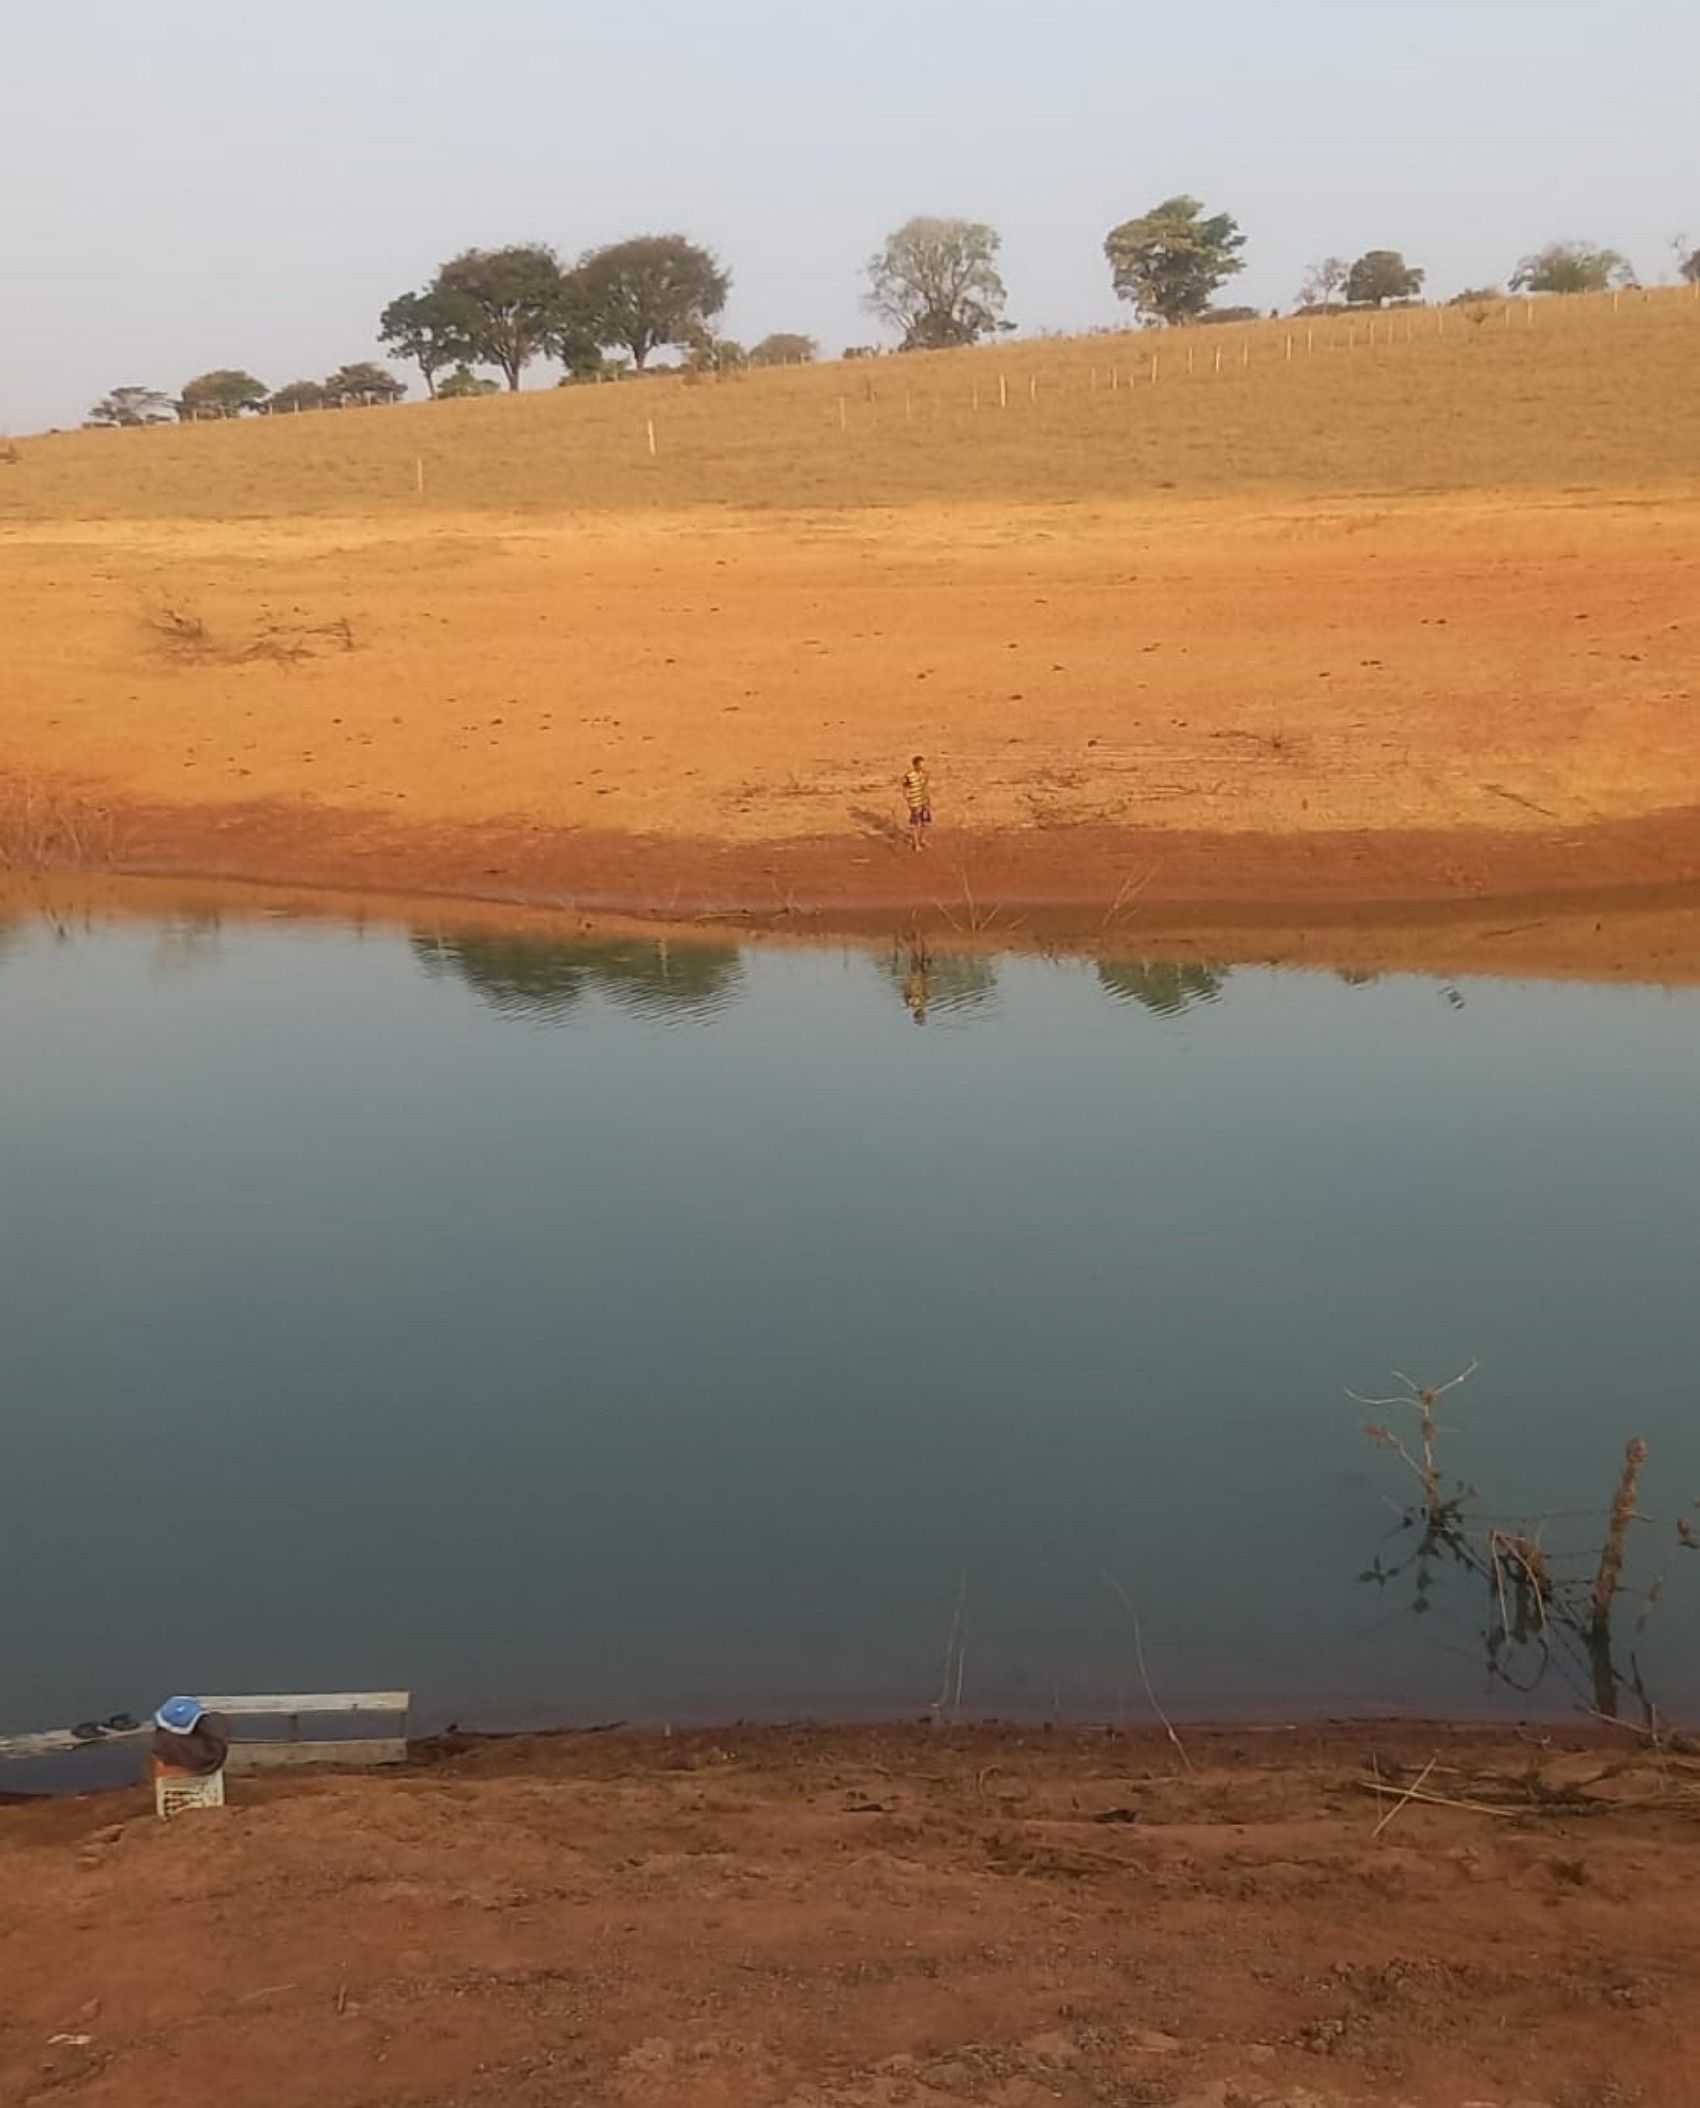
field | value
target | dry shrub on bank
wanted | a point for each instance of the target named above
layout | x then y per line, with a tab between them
46	829
182	633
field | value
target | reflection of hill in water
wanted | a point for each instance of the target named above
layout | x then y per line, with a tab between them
544	978
948	984
1166	986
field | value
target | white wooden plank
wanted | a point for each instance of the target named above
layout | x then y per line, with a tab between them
282	1756
311	1702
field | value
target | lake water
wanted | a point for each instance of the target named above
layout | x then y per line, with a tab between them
577	1332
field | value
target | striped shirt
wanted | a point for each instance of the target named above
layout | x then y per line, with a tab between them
917	789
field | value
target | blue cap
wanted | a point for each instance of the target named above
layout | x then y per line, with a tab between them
180	1716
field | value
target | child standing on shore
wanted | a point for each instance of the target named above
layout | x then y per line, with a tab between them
919	793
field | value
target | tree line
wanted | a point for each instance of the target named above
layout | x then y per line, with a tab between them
934	282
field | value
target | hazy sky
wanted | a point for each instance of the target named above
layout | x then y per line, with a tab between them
192	184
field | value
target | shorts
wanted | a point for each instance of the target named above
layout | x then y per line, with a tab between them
920	816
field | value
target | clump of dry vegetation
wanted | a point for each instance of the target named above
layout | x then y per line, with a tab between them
182	633
43	828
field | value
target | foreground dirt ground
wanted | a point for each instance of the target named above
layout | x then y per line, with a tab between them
1244	700
881	1918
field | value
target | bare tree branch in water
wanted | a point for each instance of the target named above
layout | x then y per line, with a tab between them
1541	1619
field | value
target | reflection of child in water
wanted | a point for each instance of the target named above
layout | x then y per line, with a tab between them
919	794
915	986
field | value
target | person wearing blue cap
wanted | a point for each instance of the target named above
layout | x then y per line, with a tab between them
188	1740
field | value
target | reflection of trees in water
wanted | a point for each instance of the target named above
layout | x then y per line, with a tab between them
184	942
1166	986
929	981
543	978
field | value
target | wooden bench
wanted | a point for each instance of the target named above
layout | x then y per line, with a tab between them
288	1708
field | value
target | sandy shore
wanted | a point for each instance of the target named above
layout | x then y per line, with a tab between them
876	1918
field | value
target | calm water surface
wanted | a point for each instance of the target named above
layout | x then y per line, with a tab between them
577	1332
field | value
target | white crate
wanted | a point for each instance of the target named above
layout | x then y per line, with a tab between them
175	1793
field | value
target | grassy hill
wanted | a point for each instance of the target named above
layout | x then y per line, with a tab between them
1593	392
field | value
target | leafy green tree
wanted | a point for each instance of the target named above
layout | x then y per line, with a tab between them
784	348
514	300
1325	283
431	329
1169	262
936	281
711	354
1571	267
299	395
225	392
464	382
131	406
588	365
361	386
654	290
1380	275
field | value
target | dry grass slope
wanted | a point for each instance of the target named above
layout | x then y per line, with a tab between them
1571	395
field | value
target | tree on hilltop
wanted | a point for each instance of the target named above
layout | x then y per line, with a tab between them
298	395
1688	267
362	386
1380	275
1325	283
784	348
514	302
431	329
225	392
1170	261
1571	267
651	291
464	382
712	354
131	406
936	281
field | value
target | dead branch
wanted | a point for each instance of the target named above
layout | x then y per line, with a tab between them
1405	1799
1144	1674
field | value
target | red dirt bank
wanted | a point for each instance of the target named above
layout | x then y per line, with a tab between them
896	1918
